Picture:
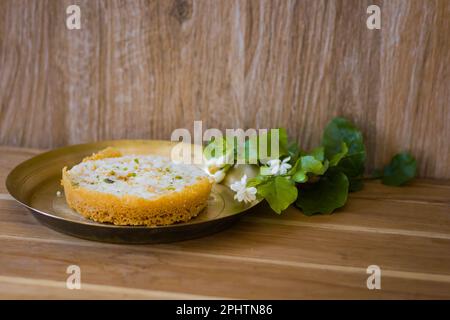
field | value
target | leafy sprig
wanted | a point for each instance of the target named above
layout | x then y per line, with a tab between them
401	170
317	181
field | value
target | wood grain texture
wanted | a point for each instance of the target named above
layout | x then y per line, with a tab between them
406	231
140	69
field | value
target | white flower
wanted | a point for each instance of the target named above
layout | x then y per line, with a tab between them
219	176
242	192
277	167
248	195
217	167
228	158
239	185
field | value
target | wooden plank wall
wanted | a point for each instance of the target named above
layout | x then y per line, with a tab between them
140	69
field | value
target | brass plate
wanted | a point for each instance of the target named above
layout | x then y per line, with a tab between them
35	182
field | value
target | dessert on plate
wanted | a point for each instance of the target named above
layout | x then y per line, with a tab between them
145	190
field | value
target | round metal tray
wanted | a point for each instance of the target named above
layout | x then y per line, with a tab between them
35	182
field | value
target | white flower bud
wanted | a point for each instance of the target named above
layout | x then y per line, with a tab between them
219	176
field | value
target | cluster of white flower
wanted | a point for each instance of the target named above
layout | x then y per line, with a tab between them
278	167
243	193
217	167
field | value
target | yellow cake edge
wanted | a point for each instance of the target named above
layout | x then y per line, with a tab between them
176	206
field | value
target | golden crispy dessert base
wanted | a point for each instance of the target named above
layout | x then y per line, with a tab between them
180	206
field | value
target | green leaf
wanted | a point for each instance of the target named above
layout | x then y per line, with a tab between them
401	170
340	130
293	151
319	153
324	196
256	181
308	164
300	177
337	157
279	192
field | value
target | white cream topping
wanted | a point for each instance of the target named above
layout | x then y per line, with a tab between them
143	176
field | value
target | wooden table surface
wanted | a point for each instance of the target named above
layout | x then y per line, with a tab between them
405	231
